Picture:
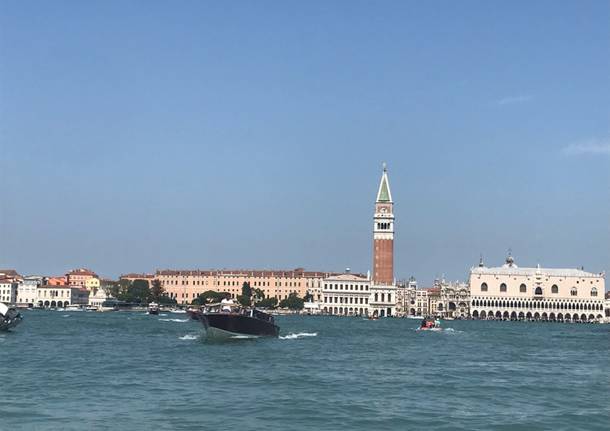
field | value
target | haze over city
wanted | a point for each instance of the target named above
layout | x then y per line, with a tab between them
201	135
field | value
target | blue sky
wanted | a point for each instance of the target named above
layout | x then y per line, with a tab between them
144	135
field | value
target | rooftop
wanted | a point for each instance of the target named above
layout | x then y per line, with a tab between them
511	268
347	277
82	271
296	273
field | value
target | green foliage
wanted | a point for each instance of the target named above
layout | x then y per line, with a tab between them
293	302
267	303
308	297
245	298
137	292
157	291
112	288
210	296
258	295
166	300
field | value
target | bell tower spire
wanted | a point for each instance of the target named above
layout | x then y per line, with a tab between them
383	233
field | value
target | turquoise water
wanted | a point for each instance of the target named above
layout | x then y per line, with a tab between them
131	371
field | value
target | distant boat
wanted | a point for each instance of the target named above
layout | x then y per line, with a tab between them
9	317
74	307
430	324
230	320
153	308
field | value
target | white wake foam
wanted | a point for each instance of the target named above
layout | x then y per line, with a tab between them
189	337
174	320
299	335
244	337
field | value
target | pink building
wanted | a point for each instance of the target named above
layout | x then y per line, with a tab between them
79	277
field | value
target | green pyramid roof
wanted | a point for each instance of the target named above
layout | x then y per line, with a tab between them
384	195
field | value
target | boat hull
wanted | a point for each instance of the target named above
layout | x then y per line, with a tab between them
7	323
226	325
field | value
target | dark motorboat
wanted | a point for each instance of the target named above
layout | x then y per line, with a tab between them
230	320
9	317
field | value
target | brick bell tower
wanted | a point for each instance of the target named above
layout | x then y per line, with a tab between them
383	234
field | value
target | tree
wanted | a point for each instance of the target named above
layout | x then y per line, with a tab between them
157	291
112	288
267	303
308	297
258	295
293	302
137	291
246	295
210	296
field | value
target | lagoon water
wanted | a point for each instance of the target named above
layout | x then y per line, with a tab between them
130	371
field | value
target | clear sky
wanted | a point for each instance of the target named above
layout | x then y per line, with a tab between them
139	135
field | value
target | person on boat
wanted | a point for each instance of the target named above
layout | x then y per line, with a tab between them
437	323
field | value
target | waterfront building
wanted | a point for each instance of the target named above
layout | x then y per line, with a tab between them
98	296
511	292
8	290
346	295
184	286
10	274
453	301
79	277
61	296
419	303
92	284
405	296
56	281
383	286
27	290
434	301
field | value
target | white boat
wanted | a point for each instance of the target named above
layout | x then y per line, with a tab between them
9	317
74	307
153	308
91	308
415	317
178	311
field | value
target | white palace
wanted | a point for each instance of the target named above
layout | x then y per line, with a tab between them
509	292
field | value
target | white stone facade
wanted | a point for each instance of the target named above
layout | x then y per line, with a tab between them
27	291
61	296
512	293
8	291
346	295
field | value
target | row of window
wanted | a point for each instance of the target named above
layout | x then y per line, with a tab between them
232	283
347	287
346	311
538	290
383	297
346	300
383	226
537	305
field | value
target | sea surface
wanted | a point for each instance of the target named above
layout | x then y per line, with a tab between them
63	370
